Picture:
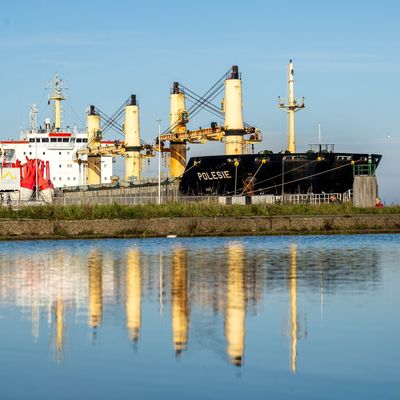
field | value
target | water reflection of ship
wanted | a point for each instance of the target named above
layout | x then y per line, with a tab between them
293	307
58	307
61	282
133	295
95	271
59	315
179	299
235	313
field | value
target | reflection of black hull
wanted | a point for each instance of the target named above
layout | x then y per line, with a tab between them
262	173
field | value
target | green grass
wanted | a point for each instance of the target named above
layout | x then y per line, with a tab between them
175	210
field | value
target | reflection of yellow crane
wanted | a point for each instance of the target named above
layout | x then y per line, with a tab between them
95	289
297	329
235	304
133	303
179	300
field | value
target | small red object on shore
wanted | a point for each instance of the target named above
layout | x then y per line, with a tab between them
378	203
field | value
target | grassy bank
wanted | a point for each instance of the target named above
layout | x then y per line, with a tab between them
175	210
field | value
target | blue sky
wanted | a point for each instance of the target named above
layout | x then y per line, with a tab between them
346	56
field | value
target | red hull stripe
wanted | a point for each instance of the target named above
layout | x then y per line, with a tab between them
14	141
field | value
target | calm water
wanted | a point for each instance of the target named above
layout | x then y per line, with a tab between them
209	318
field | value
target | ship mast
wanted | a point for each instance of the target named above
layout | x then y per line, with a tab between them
57	97
33	118
291	106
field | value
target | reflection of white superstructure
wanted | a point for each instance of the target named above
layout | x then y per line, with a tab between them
51	142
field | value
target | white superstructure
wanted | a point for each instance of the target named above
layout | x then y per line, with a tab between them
55	144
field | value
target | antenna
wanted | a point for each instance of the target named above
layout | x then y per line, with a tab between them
57	97
319	134
319	138
33	118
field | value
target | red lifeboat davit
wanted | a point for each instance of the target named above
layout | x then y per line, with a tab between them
44	182
32	172
28	172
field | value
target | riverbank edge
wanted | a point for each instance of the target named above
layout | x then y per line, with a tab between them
31	229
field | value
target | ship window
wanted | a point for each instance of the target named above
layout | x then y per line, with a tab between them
44	153
68	178
74	178
59	153
72	140
79	140
24	153
65	140
30	153
59	178
31	140
60	165
37	140
45	140
53	140
84	140
59	139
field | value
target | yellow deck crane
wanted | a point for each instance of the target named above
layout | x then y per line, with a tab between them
132	148
237	135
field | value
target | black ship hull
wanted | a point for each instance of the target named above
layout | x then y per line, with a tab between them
260	174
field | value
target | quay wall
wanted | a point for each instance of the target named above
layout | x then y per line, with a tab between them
197	226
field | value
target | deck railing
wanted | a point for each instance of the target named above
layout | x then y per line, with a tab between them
173	197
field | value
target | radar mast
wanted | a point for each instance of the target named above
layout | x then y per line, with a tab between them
57	97
291	105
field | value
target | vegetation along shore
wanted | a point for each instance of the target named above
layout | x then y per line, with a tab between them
42	222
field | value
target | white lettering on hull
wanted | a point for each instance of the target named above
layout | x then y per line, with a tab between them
213	175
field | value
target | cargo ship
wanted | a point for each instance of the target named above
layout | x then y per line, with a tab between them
50	156
275	173
318	170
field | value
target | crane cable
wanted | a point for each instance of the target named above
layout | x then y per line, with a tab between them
306	177
207	104
279	175
112	122
253	177
206	95
204	102
210	110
